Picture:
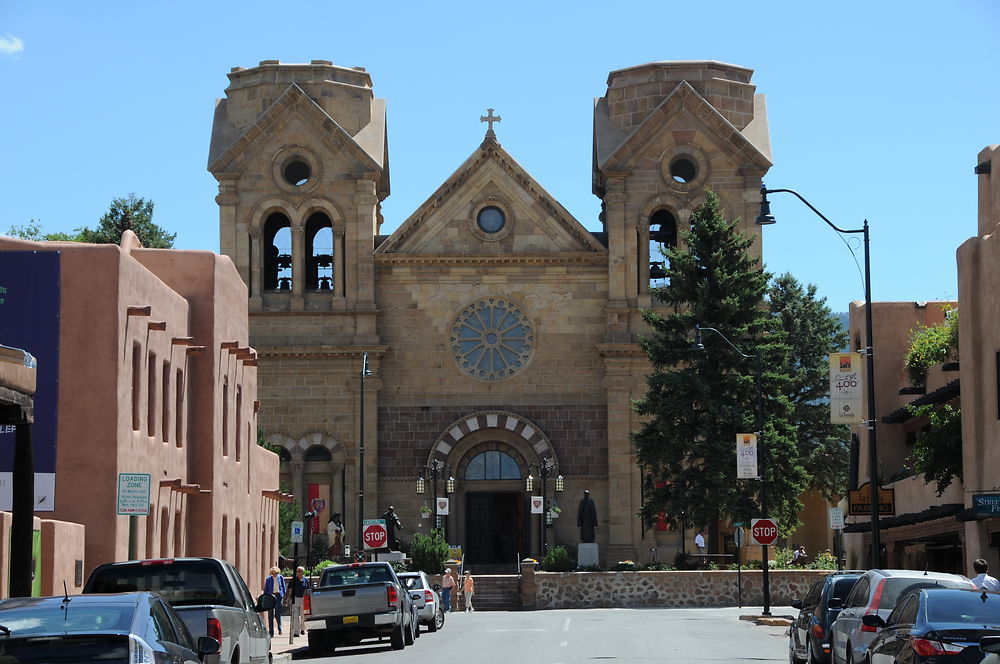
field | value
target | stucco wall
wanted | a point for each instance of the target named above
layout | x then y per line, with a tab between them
62	547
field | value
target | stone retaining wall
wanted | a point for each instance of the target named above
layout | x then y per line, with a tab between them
702	588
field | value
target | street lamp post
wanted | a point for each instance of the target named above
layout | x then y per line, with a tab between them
437	470
361	455
766	218
761	449
546	469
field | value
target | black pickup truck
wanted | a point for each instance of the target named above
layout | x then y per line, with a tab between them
358	602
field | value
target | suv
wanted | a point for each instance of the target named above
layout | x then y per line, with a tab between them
876	592
809	635
430	610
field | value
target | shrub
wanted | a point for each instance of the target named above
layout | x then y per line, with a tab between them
624	566
428	552
320	566
656	566
932	345
557	560
590	568
682	560
824	560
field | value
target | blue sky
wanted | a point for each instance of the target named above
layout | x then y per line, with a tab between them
877	109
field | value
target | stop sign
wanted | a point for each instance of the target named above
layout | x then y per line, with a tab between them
374	536
763	531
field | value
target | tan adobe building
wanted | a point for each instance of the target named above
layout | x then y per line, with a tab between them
156	375
501	334
942	532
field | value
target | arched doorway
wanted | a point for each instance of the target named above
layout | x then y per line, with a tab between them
494	510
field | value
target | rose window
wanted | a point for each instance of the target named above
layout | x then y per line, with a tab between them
492	339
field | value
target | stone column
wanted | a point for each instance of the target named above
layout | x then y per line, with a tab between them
618	252
299	479
642	263
339	269
231	232
624	528
298	265
337	488
255	281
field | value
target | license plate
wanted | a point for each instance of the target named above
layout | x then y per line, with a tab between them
350	620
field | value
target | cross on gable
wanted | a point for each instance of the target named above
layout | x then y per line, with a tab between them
490	119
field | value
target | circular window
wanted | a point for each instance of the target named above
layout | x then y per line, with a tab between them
491	219
683	170
492	339
296	172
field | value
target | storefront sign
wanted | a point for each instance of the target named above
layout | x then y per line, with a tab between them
986	504
860	501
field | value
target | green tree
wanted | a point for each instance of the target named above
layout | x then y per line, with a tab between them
696	402
937	452
33	231
930	345
812	331
131	213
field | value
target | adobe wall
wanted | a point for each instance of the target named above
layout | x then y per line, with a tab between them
62	552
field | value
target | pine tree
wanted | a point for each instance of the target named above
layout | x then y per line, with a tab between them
813	331
697	401
131	213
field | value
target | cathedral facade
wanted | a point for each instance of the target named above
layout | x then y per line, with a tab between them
491	337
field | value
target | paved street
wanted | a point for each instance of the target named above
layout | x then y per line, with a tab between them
693	636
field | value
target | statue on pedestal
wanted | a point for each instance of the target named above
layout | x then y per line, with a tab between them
586	518
392	522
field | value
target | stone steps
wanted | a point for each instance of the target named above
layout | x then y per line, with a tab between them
494	593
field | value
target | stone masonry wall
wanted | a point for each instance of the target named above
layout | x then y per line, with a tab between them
578	590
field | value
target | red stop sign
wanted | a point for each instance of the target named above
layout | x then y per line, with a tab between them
763	531
374	536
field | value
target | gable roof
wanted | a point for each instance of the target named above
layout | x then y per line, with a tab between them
368	146
612	145
489	151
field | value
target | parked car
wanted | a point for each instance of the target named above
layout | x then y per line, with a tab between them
809	635
430	608
876	592
208	594
115	629
357	602
933	622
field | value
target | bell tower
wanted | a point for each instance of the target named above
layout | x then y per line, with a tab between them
663	133
301	157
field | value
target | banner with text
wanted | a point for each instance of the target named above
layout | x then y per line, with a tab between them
845	388
746	456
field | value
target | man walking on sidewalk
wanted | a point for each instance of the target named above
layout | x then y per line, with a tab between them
294	599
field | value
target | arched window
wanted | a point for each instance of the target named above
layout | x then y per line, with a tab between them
493	465
662	234
319	253
278	253
284	456
317	453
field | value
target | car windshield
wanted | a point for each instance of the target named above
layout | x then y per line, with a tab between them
180	583
67	618
352	576
967	607
896	586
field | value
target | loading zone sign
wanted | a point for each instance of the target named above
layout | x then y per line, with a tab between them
133	494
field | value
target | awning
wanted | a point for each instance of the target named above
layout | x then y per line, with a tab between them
941	395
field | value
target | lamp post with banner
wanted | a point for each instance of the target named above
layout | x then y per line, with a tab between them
435	471
546	469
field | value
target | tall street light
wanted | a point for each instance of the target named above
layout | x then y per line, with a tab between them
761	448
437	470
766	218
361	455
546	469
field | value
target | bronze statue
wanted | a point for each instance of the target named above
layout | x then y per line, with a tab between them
586	518
392	522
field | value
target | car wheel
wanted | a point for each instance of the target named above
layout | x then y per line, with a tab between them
810	653
235	659
397	640
438	621
850	655
408	637
792	658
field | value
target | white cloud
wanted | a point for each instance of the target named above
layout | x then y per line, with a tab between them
10	45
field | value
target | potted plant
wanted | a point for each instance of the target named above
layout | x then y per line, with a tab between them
425	512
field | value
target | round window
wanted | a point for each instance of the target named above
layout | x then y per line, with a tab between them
492	339
683	170
491	219
296	172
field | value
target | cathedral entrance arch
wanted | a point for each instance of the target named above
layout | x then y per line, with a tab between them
491	453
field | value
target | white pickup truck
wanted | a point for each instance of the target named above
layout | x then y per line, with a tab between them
357	602
208	594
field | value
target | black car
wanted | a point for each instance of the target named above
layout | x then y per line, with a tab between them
809	635
936	625
112	629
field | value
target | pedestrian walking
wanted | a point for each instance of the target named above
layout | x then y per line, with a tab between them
699	540
982	579
447	585
468	588
274	584
293	600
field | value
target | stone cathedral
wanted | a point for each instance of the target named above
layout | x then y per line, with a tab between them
490	341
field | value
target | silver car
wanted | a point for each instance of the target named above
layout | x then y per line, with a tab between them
430	609
876	592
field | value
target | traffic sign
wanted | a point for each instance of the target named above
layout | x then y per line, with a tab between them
133	494
740	537
763	531
373	534
297	528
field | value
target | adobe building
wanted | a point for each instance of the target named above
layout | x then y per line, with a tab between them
501	334
154	375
